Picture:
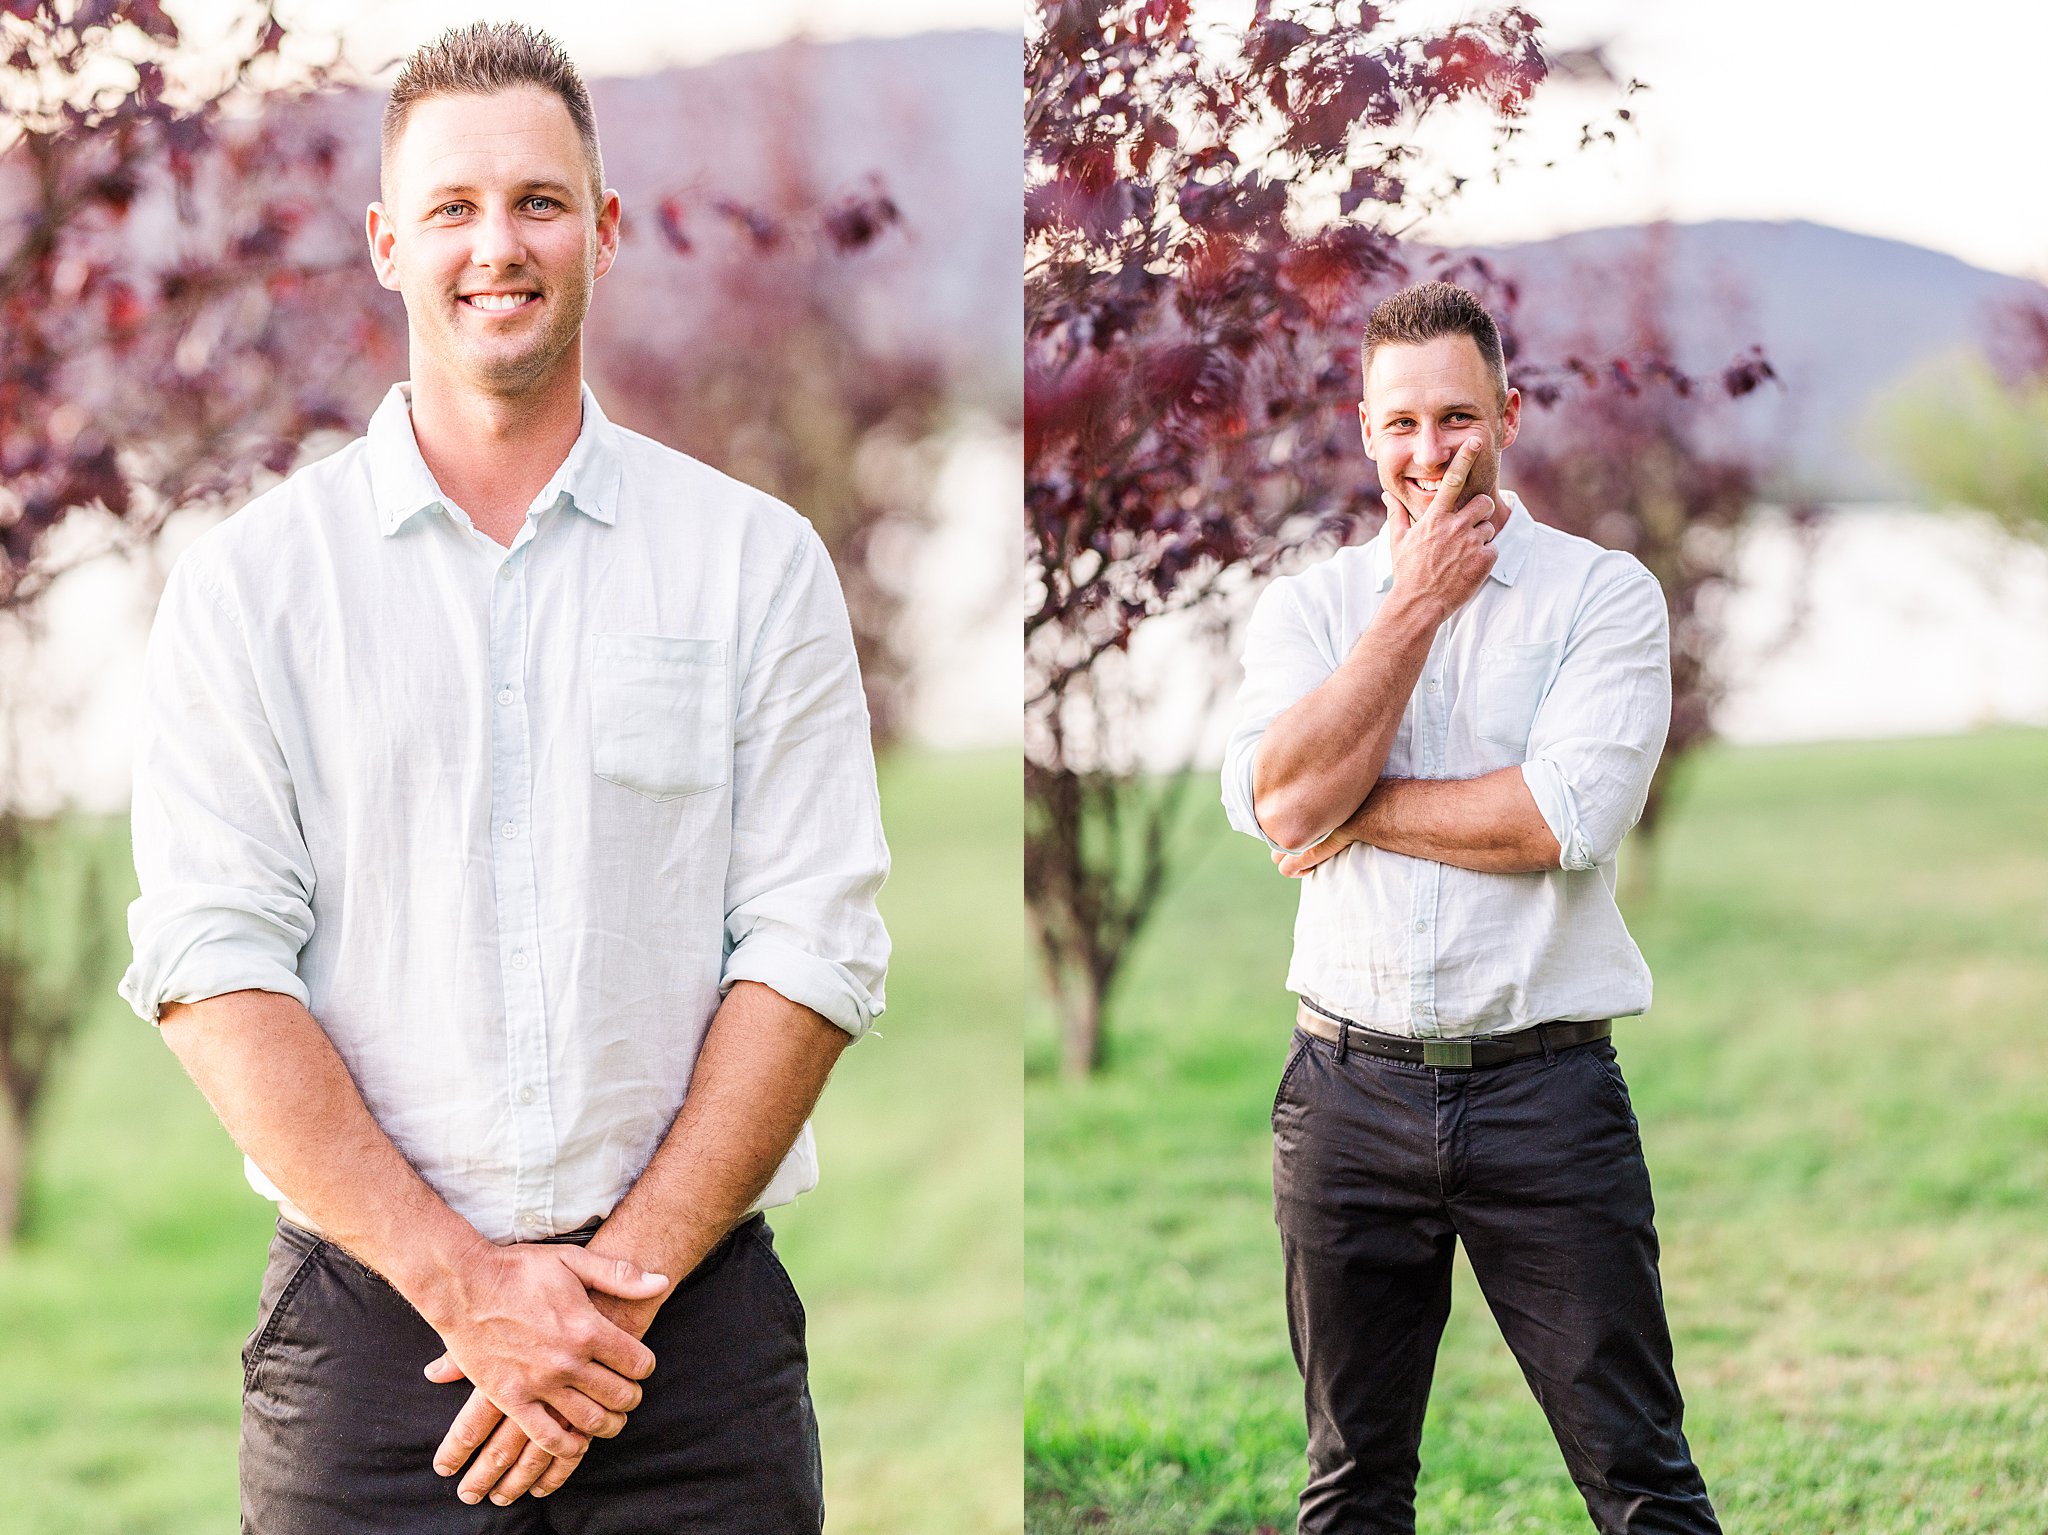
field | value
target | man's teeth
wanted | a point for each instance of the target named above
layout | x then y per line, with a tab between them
498	300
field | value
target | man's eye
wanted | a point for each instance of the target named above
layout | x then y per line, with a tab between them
545	204
447	209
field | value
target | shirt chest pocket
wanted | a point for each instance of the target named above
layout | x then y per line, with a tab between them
1512	680
659	723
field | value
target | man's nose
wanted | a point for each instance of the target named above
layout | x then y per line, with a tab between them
496	241
1434	451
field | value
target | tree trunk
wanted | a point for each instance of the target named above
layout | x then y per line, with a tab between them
13	1167
1080	1028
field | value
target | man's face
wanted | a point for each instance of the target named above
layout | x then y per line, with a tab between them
1421	402
494	236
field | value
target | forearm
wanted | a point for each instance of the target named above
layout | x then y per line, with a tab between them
763	1064
287	1099
1321	757
1490	823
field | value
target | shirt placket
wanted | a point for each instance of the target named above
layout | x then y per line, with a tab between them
1432	743
518	903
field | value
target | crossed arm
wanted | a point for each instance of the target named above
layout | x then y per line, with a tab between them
1318	763
549	1333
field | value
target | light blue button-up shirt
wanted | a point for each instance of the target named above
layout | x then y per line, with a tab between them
1559	665
509	821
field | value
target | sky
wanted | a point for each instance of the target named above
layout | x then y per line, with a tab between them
1914	122
622	37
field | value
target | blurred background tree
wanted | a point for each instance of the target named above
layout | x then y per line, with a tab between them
1207	223
1203	220
783	385
168	342
1625	452
1973	432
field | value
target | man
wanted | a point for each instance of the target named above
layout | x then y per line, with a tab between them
505	776
1444	735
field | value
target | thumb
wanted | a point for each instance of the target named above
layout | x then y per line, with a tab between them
1397	515
444	1371
612	1276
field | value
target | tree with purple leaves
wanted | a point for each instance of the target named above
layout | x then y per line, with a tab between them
1208	216
170	338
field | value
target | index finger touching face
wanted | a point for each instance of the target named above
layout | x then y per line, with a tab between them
1453	484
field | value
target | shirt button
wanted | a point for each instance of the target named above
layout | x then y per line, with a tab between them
1432	684
526	1095
511	830
505	571
1422	927
519	959
530	1219
504	695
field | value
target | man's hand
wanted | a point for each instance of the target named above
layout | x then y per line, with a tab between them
1446	554
1294	865
538	1348
509	1463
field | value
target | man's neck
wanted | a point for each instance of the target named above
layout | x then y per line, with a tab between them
492	454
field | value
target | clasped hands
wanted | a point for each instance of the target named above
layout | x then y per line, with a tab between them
548	1335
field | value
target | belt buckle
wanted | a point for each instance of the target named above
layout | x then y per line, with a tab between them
1454	1053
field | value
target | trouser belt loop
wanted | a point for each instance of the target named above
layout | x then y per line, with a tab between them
1343	1039
1543	1038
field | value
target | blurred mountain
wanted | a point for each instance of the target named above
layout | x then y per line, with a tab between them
1842	317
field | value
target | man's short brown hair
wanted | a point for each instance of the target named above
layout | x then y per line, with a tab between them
489	56
1426	311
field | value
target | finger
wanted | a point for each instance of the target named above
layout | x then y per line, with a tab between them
609	1389
526	1470
617	1349
445	1371
585	1416
501	1452
612	1276
548	1431
1397	514
1452	485
1479	509
472	1426
557	1473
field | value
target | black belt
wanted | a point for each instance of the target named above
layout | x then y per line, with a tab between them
1452	1054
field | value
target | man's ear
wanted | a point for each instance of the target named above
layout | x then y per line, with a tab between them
607	233
1365	430
382	232
1511	417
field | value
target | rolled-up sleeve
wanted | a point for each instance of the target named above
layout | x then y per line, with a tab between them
1601	726
226	881
808	856
1283	662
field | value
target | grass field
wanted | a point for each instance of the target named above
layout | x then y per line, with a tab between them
122	1312
1842	1096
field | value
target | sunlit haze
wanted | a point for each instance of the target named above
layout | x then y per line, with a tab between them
617	37
1912	122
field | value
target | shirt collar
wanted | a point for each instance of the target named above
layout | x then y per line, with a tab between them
1510	545
402	485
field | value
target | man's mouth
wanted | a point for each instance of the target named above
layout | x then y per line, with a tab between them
499	303
1427	487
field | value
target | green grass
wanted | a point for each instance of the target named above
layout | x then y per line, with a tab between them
122	1311
1841	1092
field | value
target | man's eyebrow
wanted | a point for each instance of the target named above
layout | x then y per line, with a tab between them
448	191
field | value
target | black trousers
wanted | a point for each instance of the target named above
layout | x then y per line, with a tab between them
1379	1169
339	1425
